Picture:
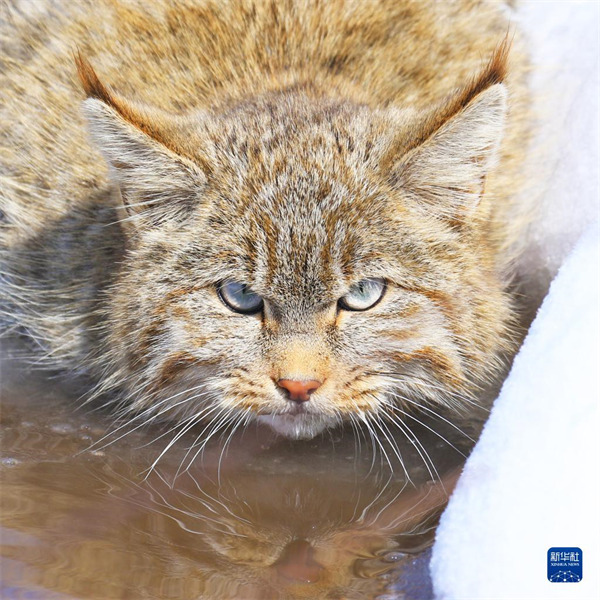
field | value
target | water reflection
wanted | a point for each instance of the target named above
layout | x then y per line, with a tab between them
268	518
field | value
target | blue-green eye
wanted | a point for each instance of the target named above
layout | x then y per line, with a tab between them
363	295
240	298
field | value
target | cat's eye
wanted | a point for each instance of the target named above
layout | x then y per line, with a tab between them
240	297
363	295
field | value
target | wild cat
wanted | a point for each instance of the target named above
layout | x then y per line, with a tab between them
299	212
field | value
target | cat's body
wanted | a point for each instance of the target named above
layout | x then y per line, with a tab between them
298	148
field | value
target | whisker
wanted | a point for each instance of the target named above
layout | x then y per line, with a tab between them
240	420
221	418
418	445
438	416
143	423
394	446
193	421
407	414
376	439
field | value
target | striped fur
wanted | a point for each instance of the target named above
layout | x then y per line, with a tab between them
297	146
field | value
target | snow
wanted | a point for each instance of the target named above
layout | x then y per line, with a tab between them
564	44
532	481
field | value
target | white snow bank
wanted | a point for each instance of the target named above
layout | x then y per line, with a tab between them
532	482
563	40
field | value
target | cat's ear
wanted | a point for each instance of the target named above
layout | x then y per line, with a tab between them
157	183
447	157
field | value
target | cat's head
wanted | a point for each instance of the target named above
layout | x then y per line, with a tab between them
300	260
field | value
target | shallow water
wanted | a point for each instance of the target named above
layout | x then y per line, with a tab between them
263	518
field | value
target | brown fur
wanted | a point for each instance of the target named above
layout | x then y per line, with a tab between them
296	146
494	72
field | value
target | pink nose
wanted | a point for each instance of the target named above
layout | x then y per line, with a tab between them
299	391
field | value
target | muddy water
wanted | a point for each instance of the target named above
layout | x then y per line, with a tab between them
264	518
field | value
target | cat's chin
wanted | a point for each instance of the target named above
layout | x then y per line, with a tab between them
299	426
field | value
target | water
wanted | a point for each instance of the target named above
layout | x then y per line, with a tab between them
264	518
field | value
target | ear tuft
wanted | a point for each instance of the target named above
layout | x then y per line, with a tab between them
92	85
493	73
444	159
156	184
447	172
131	112
156	180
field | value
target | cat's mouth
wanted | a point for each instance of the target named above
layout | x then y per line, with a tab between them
298	425
295	410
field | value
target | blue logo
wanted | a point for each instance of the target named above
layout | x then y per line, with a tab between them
565	565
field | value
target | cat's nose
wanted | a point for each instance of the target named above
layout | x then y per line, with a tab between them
299	391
